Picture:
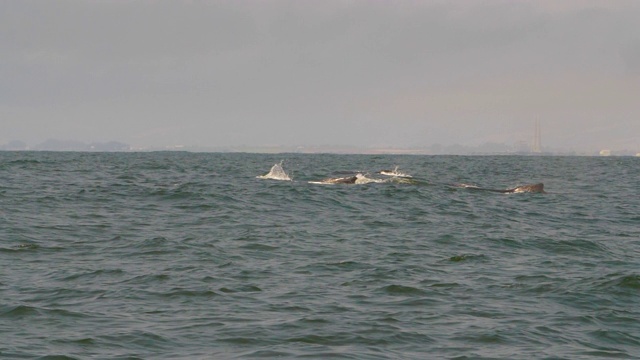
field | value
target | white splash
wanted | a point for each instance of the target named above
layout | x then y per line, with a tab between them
361	179
466	186
395	173
276	173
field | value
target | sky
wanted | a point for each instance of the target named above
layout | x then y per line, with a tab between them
321	72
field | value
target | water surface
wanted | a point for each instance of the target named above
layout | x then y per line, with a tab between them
189	256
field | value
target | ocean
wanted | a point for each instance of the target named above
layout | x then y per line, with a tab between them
176	255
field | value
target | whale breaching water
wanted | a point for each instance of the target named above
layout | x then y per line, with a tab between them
276	173
529	188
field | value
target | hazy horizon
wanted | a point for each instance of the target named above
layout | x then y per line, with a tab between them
287	73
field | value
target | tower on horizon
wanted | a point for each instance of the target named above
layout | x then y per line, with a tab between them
536	147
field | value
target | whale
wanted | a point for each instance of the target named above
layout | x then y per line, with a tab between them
356	179
528	188
340	180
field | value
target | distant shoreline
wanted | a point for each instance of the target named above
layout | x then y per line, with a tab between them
409	152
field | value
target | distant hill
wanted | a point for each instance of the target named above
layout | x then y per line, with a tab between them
67	145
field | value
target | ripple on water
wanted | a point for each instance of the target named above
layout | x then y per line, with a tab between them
402	290
19	311
57	357
617	283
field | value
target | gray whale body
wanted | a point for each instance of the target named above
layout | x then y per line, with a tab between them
342	180
528	188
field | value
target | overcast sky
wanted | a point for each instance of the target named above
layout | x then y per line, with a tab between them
362	73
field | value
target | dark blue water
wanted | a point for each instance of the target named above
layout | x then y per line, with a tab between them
189	256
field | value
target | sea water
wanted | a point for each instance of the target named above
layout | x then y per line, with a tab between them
170	255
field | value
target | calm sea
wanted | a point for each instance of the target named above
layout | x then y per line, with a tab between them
174	255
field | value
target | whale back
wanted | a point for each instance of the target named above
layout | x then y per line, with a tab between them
529	188
343	180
